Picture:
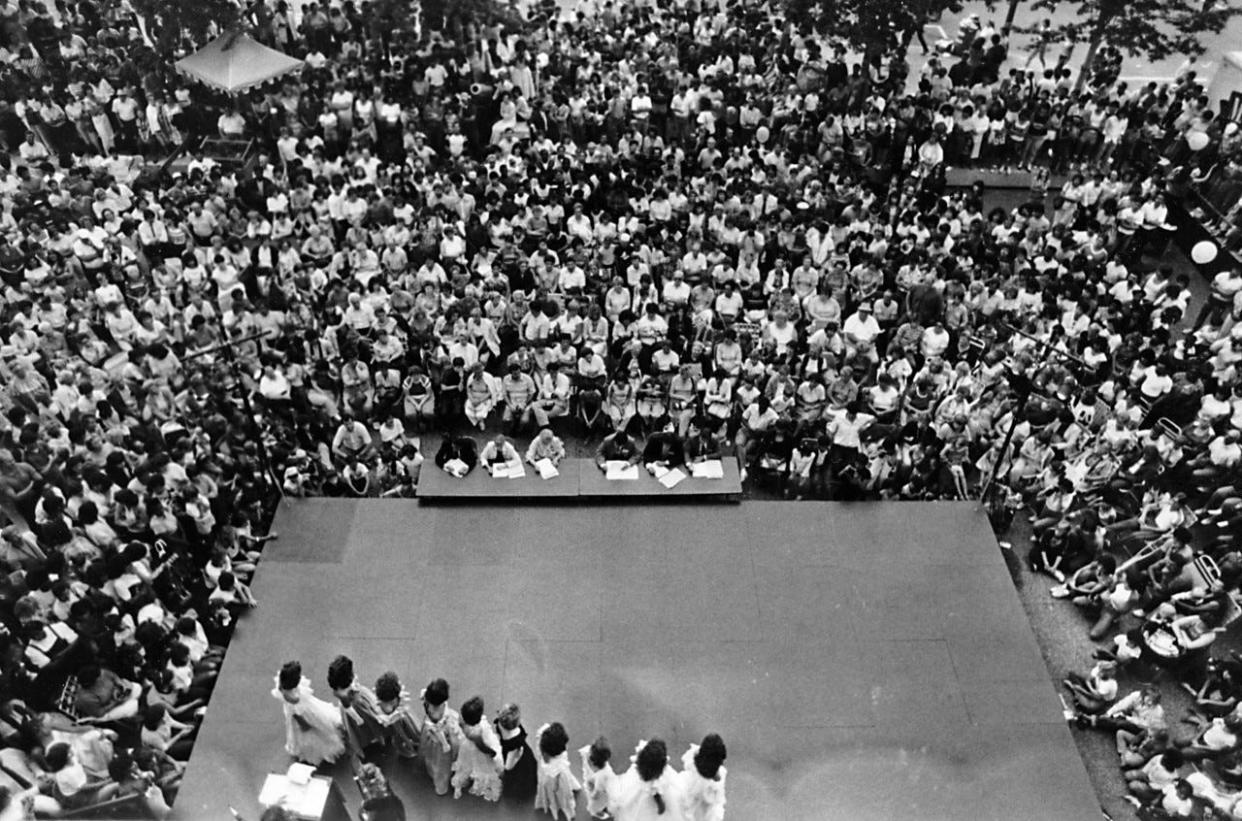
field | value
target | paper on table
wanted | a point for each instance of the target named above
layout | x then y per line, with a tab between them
546	469
711	469
456	467
672	478
500	471
620	470
659	471
516	470
300	774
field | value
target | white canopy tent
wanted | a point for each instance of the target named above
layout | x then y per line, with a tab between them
234	62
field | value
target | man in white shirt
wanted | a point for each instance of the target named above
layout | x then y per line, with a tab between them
579	225
676	291
861	327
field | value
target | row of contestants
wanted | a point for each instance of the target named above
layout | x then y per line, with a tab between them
464	753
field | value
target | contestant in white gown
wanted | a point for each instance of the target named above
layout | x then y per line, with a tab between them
703	780
313	731
650	790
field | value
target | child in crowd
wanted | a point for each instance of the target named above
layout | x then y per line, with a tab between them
400	725
598	778
312	726
441	736
520	771
557	787
478	764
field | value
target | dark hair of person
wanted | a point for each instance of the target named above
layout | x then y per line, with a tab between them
154	715
651	761
472	711
388	687
56	756
600	753
710	757
553	740
341	673
437	692
119	767
290	675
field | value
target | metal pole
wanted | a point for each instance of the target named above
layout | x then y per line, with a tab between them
1004	449
1013	10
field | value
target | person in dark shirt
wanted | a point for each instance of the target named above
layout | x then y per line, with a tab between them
665	449
618	447
461	448
701	445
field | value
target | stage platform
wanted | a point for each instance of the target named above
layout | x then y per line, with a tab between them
862	661
578	478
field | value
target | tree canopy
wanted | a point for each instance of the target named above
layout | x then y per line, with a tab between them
870	26
169	21
1155	29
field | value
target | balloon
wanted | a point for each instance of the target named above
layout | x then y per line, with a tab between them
1197	140
1203	252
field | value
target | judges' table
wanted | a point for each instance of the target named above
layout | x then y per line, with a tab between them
434	483
577	478
594	483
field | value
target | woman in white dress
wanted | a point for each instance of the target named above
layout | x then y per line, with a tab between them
313	731
650	790
703	780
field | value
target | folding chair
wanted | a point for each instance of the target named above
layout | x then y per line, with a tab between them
67	702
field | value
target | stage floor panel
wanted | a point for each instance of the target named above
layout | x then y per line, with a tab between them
862	661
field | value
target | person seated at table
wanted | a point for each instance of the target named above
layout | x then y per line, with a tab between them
701	443
617	447
457	455
664	449
499	451
546	445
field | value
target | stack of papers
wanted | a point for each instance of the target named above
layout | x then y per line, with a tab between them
509	470
546	469
672	478
711	469
620	471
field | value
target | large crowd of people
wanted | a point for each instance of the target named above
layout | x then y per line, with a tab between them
685	230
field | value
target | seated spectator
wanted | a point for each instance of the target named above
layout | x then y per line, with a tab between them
104	697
